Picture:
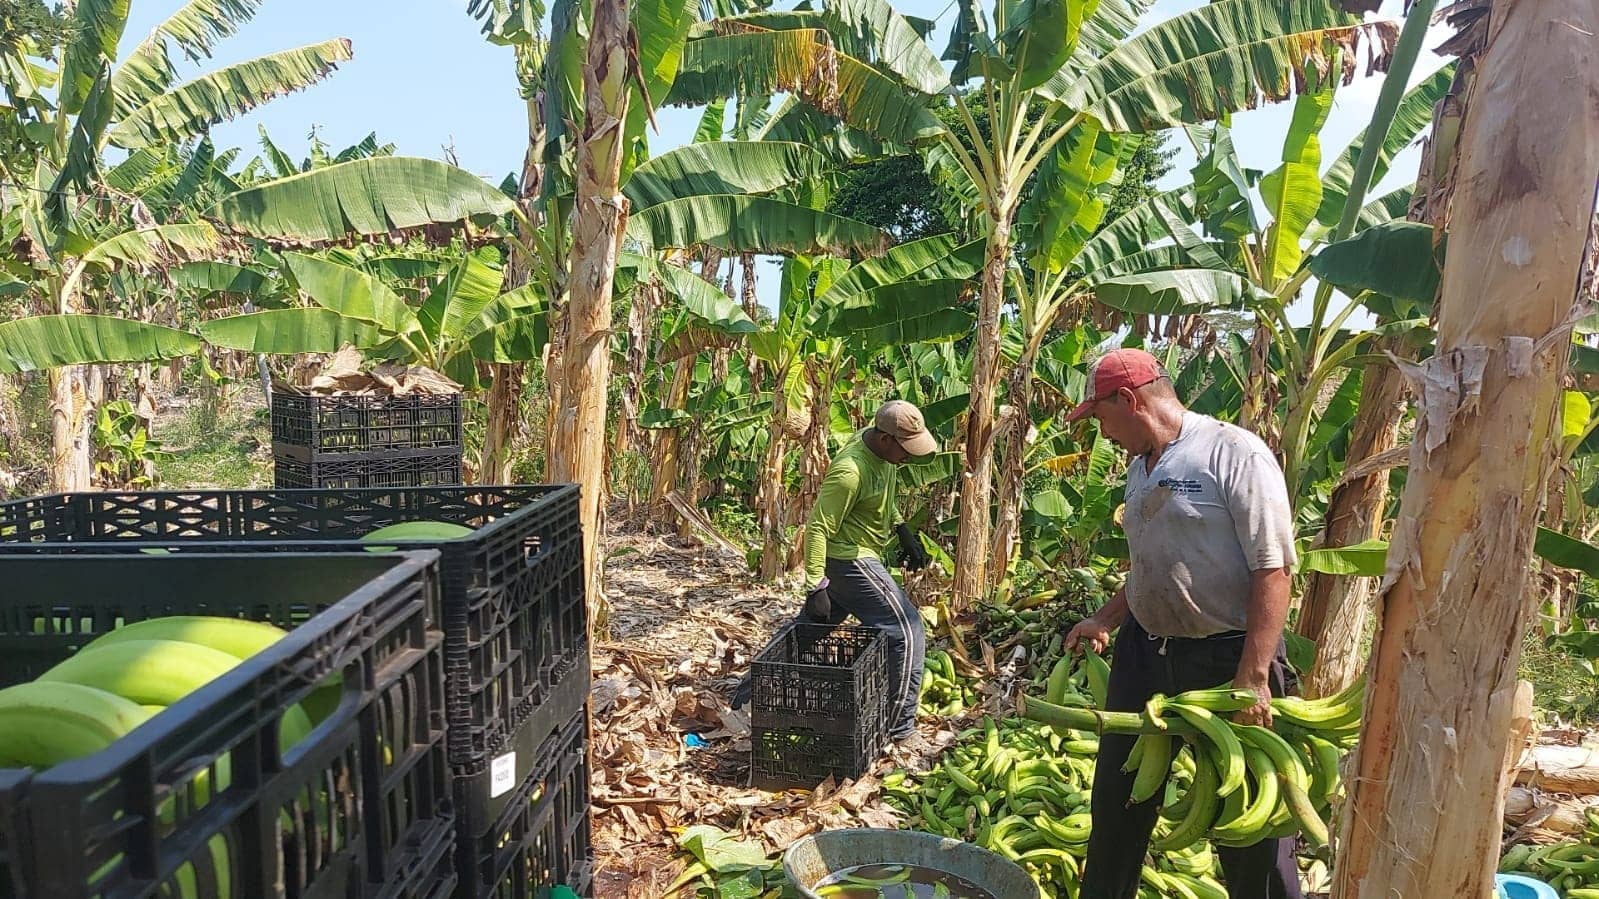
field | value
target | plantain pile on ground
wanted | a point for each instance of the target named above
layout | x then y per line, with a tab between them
1020	786
1571	866
1041	619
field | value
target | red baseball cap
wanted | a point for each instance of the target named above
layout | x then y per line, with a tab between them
1126	367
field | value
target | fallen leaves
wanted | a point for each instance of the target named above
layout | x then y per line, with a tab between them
685	622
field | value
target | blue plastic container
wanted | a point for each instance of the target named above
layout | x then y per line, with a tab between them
1517	886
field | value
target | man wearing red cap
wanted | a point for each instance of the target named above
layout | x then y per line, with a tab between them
1211	544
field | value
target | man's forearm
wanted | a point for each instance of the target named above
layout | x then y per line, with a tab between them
815	553
1115	612
1268	612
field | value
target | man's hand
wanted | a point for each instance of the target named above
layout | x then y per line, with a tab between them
1260	712
818	605
1090	631
913	556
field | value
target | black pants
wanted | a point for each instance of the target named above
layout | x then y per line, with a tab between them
1120	836
865	589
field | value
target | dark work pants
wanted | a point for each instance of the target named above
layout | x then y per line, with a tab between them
1120	836
865	589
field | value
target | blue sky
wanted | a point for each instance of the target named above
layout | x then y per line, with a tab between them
424	79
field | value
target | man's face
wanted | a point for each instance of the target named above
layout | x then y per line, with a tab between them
892	451
1118	419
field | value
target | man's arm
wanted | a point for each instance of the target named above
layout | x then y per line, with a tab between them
1263	521
1268	612
833	502
1095	630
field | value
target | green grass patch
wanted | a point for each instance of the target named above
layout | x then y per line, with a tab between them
217	444
1562	688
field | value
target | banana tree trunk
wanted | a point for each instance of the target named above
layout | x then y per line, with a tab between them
814	457
667	464
10	424
507	385
555	382
689	462
640	321
1256	414
972	547
1425	805
70	446
770	495
504	420
1334	609
1013	469
578	452
72	405
752	308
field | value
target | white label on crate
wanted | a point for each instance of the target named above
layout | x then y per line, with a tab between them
502	774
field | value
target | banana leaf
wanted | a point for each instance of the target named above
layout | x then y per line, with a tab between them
48	341
193	107
290	332
363	197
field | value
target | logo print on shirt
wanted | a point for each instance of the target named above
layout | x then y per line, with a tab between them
1184	486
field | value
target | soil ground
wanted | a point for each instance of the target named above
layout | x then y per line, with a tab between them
684	623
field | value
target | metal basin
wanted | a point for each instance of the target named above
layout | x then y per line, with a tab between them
809	861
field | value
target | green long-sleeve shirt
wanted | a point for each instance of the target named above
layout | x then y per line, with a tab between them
854	512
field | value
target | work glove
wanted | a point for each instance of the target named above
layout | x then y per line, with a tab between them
818	605
913	556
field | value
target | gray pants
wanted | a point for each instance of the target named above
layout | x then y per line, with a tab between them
865	589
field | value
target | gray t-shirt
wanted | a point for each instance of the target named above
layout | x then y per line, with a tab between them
1214	509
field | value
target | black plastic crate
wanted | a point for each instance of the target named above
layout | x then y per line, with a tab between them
13	829
360	807
817	704
308	427
386	468
544	837
784	758
514	611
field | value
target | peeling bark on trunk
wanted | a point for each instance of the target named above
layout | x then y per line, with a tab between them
814	460
505	390
1256	415
972	547
1423	812
640	323
689	464
1334	609
10	422
1013	468
927	586
72	405
668	461
70	448
504	421
769	500
752	308
578	453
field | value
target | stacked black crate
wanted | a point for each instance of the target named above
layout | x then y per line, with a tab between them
367	440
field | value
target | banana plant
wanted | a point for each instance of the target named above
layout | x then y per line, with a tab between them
1041	69
463	318
74	230
1235	262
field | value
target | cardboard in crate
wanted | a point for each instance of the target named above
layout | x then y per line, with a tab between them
513	606
817	704
201	799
